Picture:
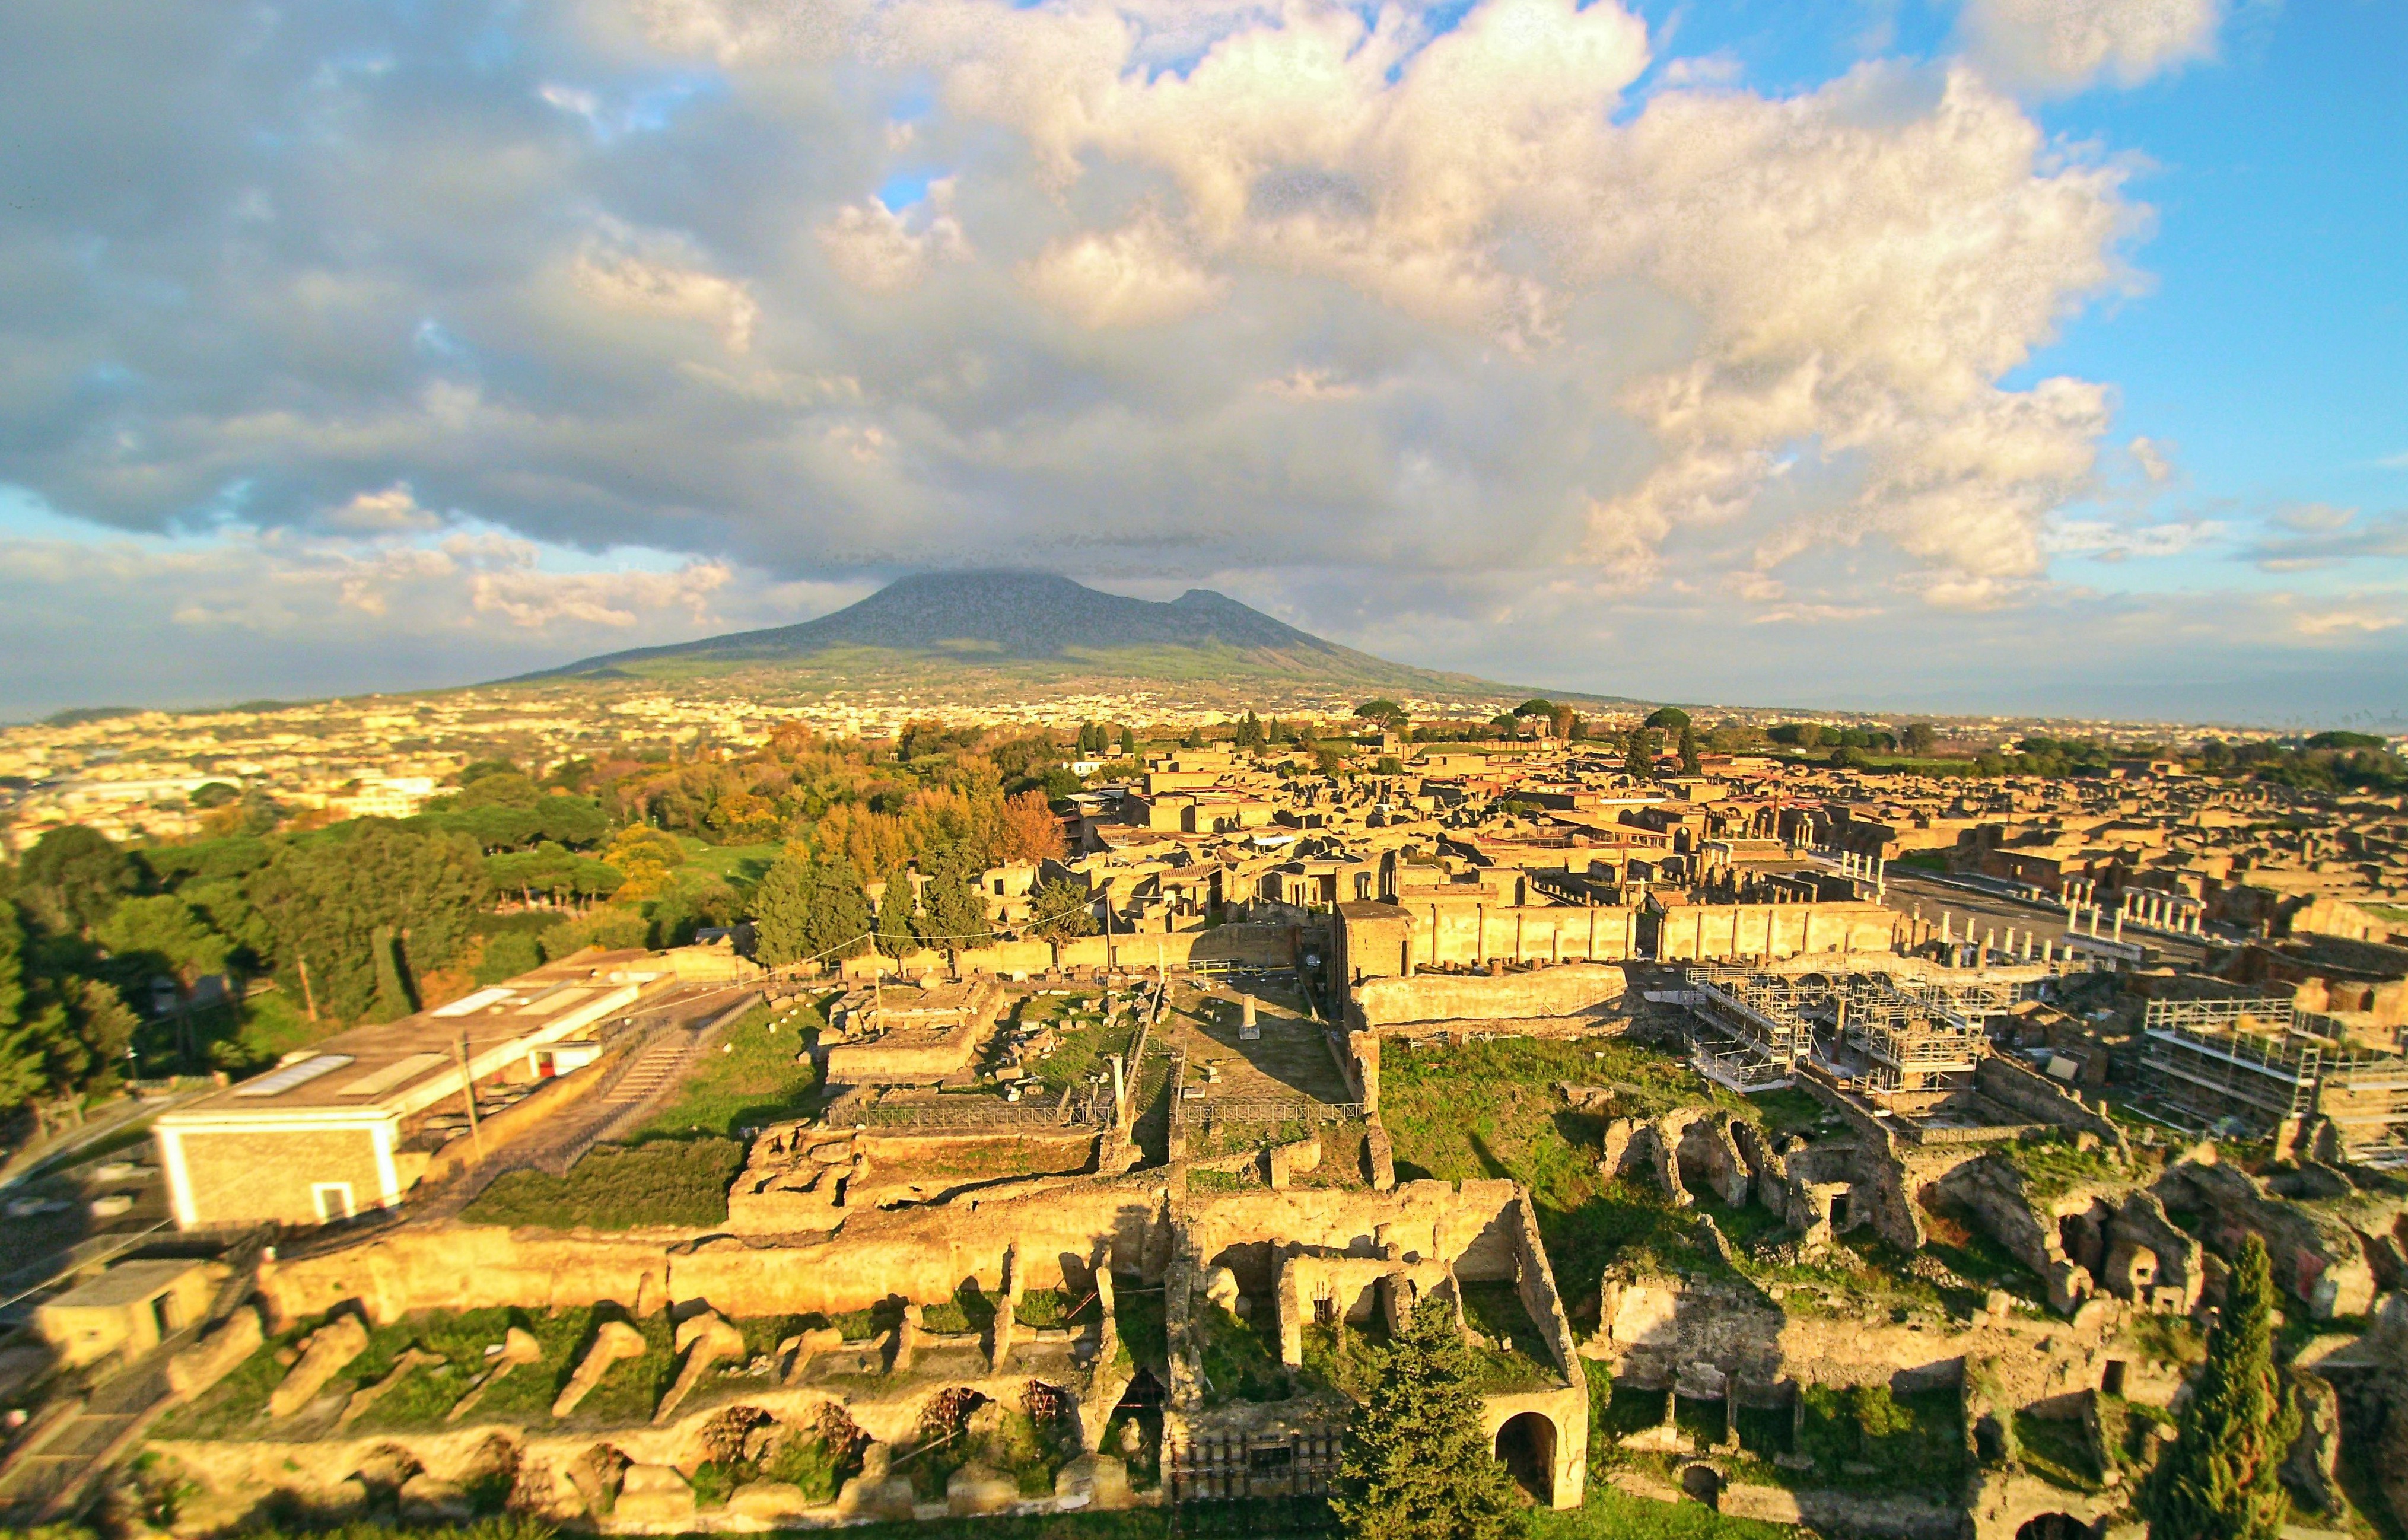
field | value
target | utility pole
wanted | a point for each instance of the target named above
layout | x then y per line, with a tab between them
309	997
468	1093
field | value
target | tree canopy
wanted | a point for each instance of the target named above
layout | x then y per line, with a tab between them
1417	1464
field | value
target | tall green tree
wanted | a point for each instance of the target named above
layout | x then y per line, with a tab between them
1639	753
1670	717
2220	1481
167	935
73	878
1059	909
1416	1465
953	914
897	930
809	906
1691	763
326	898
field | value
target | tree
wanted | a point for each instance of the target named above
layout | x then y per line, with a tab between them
1250	731
953	914
897	931
1691	764
1669	717
1415	1465
1059	909
1919	738
168	933
1536	705
1385	713
1128	742
2220	1481
73	878
1639	753
326	900
808	907
1029	832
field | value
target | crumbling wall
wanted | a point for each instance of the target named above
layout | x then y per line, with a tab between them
2317	1259
2015	1085
918	1253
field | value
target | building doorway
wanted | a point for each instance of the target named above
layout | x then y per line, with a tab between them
1527	1444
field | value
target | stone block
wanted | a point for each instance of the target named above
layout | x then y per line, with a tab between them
975	1489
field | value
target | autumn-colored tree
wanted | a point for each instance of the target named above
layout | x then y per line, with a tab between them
1029	832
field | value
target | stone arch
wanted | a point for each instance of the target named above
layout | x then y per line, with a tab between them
2055	1526
1704	1483
1527	1445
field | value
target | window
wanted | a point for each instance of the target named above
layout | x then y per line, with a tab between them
332	1199
2112	1380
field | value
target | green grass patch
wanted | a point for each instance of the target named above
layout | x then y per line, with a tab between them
738	865
1241	1359
1610	1513
759	1073
232	1407
1496	1311
1491	1109
2053	1167
619	1187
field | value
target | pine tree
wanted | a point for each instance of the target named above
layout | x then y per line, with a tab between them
1690	763
894	906
1416	1465
809	907
2220	1480
1639	755
1128	742
954	914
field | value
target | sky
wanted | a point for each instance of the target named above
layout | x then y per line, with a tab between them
2029	356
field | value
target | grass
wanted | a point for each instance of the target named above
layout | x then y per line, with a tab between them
740	865
760	1074
232	1408
2053	1167
619	1187
2056	1450
1241	1359
1081	1039
1496	1311
1491	1109
1610	1513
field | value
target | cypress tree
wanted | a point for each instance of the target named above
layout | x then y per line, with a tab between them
1415	1465
2220	1480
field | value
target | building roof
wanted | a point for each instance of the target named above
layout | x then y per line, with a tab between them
395	1068
127	1283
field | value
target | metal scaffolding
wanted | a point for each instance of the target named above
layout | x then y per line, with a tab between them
2261	1061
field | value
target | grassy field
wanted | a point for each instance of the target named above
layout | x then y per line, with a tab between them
761	1073
681	1182
738	865
1491	1109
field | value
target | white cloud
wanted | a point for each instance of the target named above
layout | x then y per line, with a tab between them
390	511
1208	286
1135	276
2329	622
880	251
2057	46
660	277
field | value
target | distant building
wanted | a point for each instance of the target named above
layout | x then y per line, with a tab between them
350	1124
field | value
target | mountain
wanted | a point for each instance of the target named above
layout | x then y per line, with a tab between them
976	630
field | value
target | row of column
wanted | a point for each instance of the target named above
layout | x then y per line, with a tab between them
2158	911
2011	945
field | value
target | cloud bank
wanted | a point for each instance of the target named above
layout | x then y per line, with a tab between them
1355	311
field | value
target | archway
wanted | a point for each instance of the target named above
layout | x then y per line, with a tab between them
1527	1444
2055	1526
1704	1483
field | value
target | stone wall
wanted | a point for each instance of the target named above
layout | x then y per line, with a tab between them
921	1254
1571	988
1702	930
2016	1085
2317	1260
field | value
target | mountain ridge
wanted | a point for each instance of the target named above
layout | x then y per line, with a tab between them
1036	626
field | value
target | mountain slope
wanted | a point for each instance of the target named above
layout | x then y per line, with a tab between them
1028	628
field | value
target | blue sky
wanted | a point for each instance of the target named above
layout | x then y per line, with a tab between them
2019	355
